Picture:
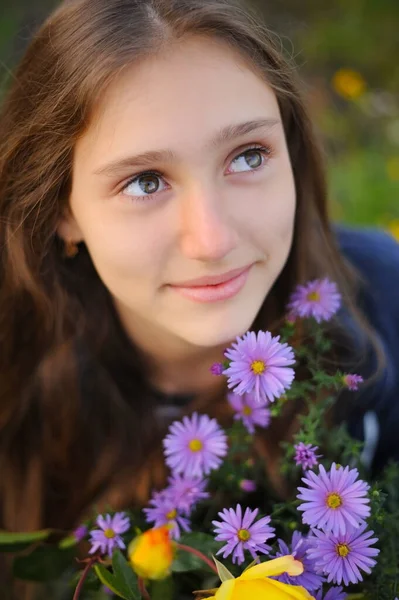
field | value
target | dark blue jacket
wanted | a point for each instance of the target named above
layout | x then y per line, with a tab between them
375	418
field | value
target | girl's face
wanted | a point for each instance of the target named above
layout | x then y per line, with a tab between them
184	173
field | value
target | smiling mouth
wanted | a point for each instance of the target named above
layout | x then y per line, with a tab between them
214	292
212	279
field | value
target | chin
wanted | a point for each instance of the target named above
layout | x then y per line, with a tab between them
210	333
219	324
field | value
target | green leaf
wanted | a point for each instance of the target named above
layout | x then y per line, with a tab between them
15	541
125	578
123	581
67	542
204	542
223	571
184	561
43	564
108	579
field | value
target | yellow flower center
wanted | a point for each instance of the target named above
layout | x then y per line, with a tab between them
243	535
195	445
313	296
171	514
342	550
247	410
334	500
258	367
109	533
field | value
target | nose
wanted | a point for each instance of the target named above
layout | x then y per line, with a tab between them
207	231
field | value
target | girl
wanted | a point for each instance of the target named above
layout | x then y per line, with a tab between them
161	193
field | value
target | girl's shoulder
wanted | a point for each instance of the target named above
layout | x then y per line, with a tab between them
375	255
374	251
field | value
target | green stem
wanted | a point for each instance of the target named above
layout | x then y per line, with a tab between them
196	552
82	579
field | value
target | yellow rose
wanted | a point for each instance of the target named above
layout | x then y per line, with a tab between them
255	584
151	554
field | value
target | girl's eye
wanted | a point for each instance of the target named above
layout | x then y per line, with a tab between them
254	158
146	183
143	186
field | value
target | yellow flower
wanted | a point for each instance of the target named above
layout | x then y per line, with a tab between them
254	583
393	168
349	84
151	554
394	228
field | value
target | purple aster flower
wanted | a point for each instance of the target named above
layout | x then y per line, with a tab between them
240	533
247	485
334	593
80	533
342	557
305	455
217	368
260	364
309	579
186	492
107	591
107	538
319	299
249	411
195	445
334	500
352	381
163	511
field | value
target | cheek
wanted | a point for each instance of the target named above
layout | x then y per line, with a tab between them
124	246
275	214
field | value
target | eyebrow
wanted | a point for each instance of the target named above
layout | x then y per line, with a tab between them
146	159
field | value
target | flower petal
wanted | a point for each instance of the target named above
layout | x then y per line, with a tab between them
291	592
277	566
225	592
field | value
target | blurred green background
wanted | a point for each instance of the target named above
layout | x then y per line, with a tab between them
347	53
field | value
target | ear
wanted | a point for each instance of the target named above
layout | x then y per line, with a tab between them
68	229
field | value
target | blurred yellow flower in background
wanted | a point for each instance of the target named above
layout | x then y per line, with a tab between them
254	583
392	167
349	84
393	228
151	554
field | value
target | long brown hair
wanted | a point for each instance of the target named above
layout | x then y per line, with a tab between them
75	404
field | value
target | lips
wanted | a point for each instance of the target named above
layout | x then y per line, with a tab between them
211	279
215	289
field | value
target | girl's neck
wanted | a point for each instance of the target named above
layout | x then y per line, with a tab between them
173	366
190	376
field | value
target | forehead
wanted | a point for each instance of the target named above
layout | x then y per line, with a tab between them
181	95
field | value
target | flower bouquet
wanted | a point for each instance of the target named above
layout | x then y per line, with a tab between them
218	530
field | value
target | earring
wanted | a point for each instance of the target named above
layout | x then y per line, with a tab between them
70	249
